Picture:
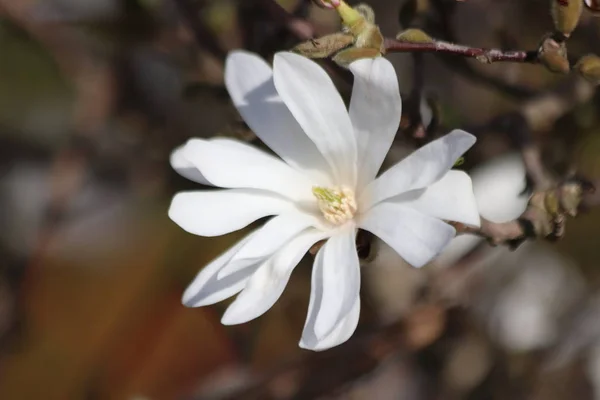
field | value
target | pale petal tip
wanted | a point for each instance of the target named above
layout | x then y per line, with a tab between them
312	347
235	315
238	55
190	297
177	158
463	136
187	298
229	318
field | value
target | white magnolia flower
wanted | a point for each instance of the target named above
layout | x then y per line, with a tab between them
323	187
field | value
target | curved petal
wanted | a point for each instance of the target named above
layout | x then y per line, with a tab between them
375	109
268	282
249	81
415	237
341	333
233	164
274	234
451	198
217	212
207	289
313	100
335	283
185	168
420	169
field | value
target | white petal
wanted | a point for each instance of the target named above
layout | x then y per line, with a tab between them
416	237
274	234
185	168
451	198
375	109
269	281
341	333
420	169
207	289
335	283
233	164
217	212
249	81
313	100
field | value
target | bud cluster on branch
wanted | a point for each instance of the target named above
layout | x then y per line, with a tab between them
362	38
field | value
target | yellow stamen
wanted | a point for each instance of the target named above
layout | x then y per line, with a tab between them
336	204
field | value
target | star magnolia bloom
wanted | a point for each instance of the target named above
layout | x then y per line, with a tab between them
323	187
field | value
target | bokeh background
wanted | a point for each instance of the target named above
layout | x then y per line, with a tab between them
94	95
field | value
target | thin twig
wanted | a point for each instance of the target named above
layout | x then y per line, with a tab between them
483	55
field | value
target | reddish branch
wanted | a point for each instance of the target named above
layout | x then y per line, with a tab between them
487	56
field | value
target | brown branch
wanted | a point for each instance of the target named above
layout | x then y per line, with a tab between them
545	216
483	55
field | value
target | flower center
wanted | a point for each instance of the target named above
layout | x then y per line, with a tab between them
337	204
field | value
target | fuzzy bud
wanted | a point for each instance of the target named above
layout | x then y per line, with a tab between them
324	46
565	14
589	68
414	36
366	11
554	56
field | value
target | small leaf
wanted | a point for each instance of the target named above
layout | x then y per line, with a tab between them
459	162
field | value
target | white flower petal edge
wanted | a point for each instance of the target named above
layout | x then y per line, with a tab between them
337	279
341	333
313	100
375	109
265	287
185	168
271	237
249	81
416	237
217	212
246	167
207	289
451	198
425	166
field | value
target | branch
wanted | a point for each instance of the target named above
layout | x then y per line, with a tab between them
544	217
483	55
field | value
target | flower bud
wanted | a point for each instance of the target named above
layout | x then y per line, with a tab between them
366	11
554	56
324	46
589	68
565	14
414	36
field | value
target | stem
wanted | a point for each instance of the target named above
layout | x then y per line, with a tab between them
483	55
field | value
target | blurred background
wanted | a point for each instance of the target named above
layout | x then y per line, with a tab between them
94	95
